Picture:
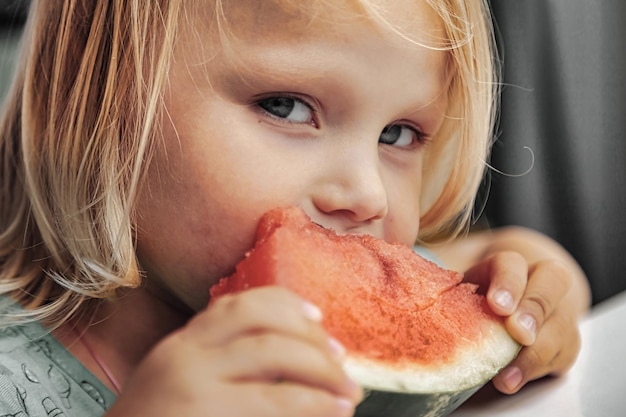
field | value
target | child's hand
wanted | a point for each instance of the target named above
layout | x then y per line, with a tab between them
262	352
539	314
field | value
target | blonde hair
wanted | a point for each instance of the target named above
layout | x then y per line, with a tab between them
456	163
82	119
77	128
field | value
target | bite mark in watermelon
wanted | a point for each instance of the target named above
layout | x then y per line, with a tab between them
418	339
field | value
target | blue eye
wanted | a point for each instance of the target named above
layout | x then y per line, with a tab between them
400	135
288	108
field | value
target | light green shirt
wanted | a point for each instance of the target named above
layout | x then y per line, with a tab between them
39	377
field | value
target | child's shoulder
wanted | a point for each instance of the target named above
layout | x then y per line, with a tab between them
38	376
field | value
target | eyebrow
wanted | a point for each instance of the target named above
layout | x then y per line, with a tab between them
280	66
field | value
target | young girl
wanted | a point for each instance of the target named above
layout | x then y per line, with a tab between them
142	141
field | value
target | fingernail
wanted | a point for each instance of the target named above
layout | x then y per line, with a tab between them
312	312
504	299
345	403
336	347
528	322
512	378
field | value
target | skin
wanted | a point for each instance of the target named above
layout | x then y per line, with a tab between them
296	120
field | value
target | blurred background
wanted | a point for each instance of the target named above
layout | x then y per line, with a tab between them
12	17
563	126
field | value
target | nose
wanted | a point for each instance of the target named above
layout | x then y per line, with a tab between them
352	186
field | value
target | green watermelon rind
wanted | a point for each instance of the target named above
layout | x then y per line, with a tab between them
399	404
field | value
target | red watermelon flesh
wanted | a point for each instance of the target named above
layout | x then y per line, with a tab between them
407	324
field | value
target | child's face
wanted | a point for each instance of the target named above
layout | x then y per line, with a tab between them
299	114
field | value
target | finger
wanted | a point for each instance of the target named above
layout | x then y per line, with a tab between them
504	275
269	308
557	347
272	357
548	283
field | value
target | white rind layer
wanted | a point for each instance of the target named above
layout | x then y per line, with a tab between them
475	363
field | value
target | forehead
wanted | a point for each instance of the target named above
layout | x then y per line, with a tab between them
411	21
282	45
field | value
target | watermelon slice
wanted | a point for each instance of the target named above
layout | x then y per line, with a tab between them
418	340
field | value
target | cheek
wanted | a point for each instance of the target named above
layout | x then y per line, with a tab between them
403	221
204	196
189	231
185	254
